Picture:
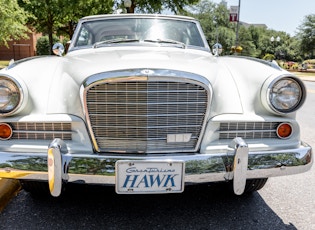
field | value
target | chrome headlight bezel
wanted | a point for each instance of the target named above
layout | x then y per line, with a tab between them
16	93
283	95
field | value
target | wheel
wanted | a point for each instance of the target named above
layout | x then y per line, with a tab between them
253	185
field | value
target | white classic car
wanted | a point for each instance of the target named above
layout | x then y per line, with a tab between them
140	103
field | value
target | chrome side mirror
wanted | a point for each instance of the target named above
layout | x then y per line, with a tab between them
58	49
217	49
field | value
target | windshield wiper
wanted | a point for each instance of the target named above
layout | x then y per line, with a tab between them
117	40
166	41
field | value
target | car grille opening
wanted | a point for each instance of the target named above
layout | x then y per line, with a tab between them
145	116
248	130
41	130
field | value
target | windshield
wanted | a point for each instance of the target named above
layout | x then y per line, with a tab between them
102	32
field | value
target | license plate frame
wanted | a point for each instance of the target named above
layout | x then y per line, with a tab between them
149	177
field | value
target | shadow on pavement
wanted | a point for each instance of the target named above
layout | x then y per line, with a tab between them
95	207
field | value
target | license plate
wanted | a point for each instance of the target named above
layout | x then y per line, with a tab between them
133	177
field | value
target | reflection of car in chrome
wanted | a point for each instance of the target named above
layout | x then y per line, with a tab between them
140	102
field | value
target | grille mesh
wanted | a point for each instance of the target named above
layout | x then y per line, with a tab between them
138	116
248	130
41	131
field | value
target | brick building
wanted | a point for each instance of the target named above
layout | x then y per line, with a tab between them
19	49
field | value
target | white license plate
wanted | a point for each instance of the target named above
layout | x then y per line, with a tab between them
134	177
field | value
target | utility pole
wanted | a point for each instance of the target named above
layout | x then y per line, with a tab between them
238	23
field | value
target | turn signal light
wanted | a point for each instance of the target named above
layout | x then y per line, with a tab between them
5	131
284	130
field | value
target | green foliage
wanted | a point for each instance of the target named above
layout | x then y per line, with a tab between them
153	6
306	34
3	64
60	16
269	57
255	40
52	16
310	63
69	16
45	19
247	43
13	20
43	46
213	19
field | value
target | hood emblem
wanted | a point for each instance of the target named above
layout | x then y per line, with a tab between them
147	71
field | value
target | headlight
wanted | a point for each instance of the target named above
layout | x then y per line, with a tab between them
285	94
10	95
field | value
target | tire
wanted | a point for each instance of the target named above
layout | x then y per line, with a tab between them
253	185
36	188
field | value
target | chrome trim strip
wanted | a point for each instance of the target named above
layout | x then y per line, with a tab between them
248	131
41	132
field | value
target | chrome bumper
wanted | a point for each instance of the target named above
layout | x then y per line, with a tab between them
236	163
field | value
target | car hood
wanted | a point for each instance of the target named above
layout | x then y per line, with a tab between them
187	60
110	59
62	77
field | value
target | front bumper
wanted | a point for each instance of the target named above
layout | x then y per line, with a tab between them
237	162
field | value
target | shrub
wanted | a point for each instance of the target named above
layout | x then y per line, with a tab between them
42	46
269	57
310	63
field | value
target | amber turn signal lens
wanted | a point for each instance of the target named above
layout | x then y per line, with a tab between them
5	131
284	130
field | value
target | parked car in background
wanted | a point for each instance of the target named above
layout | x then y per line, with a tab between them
139	102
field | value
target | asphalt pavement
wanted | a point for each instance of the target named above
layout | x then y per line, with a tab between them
8	189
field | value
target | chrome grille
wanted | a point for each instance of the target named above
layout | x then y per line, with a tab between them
248	130
41	131
139	116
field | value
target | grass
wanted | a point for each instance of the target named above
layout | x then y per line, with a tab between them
3	64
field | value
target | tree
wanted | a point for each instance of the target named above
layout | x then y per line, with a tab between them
45	19
82	8
42	45
13	21
153	6
51	16
306	34
215	23
246	42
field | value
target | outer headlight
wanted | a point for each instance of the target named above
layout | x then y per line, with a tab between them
11	95
285	94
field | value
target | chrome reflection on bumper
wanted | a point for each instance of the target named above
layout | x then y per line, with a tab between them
200	168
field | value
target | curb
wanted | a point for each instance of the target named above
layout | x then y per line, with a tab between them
8	189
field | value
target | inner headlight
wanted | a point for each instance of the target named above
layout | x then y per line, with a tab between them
10	95
286	95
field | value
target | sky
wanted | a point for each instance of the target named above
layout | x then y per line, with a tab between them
280	15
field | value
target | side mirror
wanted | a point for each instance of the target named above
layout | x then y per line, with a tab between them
58	49
217	49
